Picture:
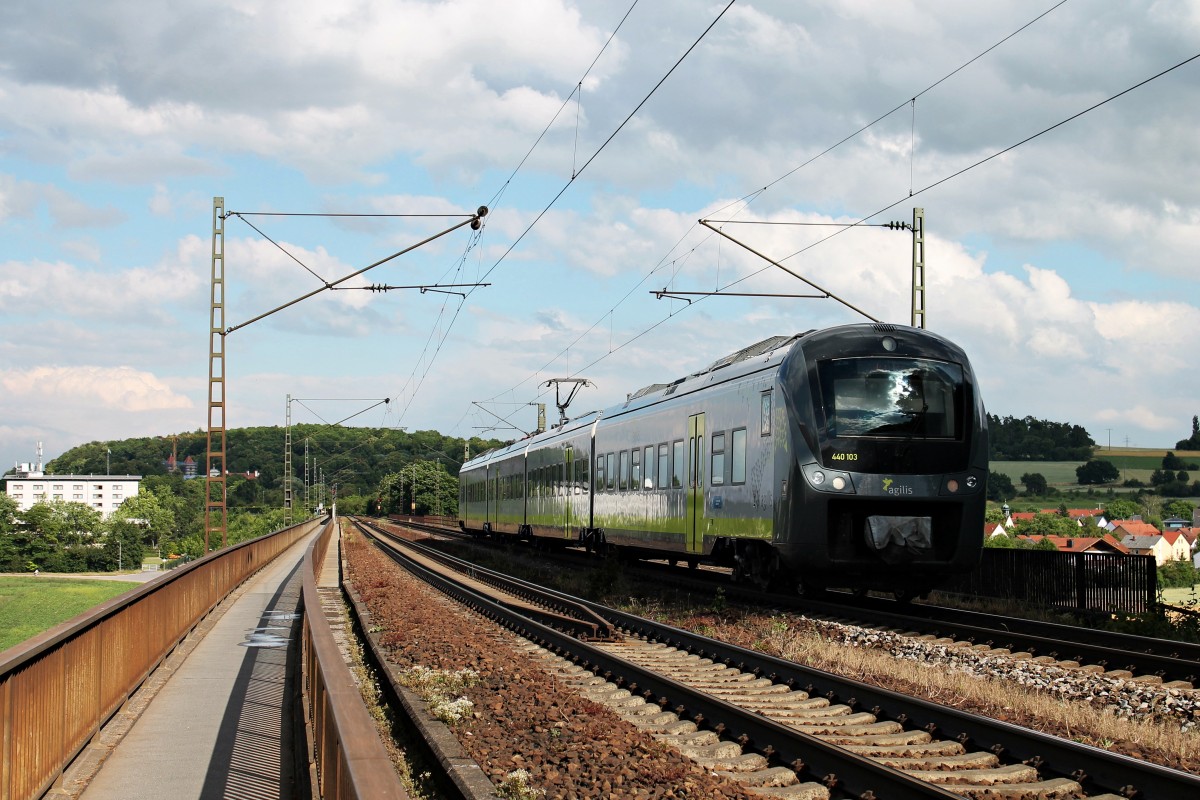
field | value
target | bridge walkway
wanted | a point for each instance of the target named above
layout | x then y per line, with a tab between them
220	719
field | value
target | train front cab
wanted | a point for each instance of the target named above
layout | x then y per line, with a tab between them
885	476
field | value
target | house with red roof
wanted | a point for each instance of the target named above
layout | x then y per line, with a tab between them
1083	544
1169	546
1132	527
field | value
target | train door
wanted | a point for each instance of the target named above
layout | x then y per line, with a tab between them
693	524
565	493
493	494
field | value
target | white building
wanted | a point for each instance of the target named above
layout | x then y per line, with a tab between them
101	492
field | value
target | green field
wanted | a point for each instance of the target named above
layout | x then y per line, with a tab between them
1057	473
1133	463
31	605
1181	596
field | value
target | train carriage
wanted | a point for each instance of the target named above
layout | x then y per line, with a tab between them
854	456
559	504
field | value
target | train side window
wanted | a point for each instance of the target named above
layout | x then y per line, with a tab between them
610	471
635	477
649	462
678	465
624	475
581	472
718	459
599	472
764	421
738	445
664	467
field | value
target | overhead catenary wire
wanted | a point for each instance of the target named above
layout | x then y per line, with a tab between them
747	199
606	142
576	173
978	163
844	227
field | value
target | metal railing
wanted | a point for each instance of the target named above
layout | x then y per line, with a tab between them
1104	582
58	688
351	761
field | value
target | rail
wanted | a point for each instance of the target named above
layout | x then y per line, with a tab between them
351	761
58	688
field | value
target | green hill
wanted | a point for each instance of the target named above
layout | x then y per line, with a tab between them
355	459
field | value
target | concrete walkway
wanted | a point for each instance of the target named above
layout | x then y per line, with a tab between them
222	726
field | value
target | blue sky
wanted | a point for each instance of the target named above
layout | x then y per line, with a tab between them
1066	267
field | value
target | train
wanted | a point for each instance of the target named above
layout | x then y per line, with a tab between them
852	457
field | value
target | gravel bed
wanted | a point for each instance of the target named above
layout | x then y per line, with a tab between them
520	717
1122	697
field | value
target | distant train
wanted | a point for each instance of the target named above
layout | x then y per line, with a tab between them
851	457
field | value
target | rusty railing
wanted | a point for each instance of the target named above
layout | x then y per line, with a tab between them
58	688
351	761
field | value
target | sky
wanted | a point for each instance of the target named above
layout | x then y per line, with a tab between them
1062	232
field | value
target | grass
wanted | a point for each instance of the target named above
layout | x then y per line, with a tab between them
1181	596
1133	463
29	606
1057	473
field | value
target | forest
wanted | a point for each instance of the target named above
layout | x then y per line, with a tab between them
1030	439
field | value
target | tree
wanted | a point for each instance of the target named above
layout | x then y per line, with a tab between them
8	514
1179	508
1121	509
1178	573
1047	525
146	511
10	556
993	515
1172	462
1097	471
1000	487
1035	484
123	547
422	487
1030	439
1193	442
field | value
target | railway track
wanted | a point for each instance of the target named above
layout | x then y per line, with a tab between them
1171	663
795	731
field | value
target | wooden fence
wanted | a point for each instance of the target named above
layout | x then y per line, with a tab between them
1100	582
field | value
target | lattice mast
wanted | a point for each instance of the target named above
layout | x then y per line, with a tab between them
216	517
287	463
918	273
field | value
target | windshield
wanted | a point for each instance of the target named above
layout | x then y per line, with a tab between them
892	397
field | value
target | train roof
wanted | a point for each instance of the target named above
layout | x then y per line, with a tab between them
758	356
766	349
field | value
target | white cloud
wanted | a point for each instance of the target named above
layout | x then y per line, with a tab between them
137	294
122	121
91	387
